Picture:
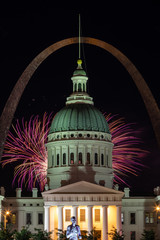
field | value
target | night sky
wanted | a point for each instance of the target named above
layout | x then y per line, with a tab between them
135	31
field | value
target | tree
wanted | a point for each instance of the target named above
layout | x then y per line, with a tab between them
24	234
6	234
116	235
148	235
41	235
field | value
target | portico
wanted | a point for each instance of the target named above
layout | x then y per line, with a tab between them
93	206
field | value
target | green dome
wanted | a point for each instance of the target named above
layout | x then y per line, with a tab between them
79	72
75	117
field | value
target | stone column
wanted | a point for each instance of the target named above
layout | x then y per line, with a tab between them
119	222
74	212
21	219
46	218
105	222
90	218
60	217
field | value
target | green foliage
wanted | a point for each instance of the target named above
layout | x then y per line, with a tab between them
148	235
6	234
24	234
93	235
116	235
61	234
41	235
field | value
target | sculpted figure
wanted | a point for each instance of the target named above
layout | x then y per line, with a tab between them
73	230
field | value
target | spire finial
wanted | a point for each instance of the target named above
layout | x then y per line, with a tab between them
79	36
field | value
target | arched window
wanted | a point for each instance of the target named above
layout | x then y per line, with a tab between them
80	158
96	158
102	159
52	160
88	158
72	158
79	87
64	158
58	159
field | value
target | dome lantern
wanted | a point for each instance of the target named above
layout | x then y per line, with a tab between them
79	80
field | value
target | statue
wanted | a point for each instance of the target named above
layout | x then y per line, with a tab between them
73	230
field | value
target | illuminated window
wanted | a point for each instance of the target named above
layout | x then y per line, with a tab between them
133	235
67	215
97	215
88	158
58	159
102	159
132	218
72	158
13	218
64	158
28	219
82	215
96	158
149	217
40	218
80	158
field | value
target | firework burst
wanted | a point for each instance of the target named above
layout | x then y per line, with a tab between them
26	147
127	155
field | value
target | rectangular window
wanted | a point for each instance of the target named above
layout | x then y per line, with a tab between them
132	218
68	215
52	160
58	159
40	218
72	158
96	158
82	215
149	217
97	215
28	219
13	220
133	235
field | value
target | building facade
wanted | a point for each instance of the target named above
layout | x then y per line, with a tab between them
80	177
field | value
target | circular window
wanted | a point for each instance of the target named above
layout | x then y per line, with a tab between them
64	136
102	136
95	135
72	135
57	136
80	135
88	135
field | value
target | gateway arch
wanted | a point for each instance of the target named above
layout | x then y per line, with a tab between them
14	98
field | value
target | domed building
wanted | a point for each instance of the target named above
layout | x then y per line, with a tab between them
80	178
80	174
79	143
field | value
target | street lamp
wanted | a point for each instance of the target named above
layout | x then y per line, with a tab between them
157	210
7	213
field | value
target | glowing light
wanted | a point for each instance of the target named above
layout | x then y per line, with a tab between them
27	148
7	212
158	208
126	155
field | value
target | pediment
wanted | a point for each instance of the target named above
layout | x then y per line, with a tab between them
82	187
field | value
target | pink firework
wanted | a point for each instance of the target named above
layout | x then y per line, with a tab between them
27	148
126	155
